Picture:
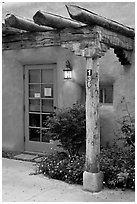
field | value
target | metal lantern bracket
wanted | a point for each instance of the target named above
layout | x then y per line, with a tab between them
67	70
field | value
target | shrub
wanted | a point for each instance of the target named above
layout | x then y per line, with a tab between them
127	126
118	165
68	126
62	167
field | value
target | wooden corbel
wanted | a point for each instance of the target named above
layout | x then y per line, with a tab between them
87	48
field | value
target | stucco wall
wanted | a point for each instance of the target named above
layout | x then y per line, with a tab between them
68	91
12	104
13	88
123	80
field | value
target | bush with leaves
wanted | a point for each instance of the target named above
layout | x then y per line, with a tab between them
118	162
68	126
127	126
63	167
118	165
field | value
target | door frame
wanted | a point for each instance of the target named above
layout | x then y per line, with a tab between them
33	146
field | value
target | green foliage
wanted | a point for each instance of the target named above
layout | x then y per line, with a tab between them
68	126
127	126
62	167
118	162
118	165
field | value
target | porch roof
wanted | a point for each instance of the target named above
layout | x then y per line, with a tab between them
47	29
80	17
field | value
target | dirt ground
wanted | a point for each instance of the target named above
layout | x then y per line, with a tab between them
19	186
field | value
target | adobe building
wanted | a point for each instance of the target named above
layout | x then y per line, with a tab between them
34	63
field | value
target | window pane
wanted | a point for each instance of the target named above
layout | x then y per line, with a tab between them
34	134
34	76
34	120
101	96
47	106
47	91
109	94
45	136
34	105
106	94
34	91
47	76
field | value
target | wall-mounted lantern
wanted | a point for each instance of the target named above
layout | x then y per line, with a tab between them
67	70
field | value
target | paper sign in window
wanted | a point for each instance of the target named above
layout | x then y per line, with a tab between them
47	91
37	95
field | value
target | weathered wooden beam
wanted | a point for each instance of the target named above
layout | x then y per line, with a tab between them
113	39
30	40
55	21
9	30
110	38
90	18
24	24
79	35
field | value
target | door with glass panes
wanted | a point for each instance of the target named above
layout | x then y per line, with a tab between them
40	99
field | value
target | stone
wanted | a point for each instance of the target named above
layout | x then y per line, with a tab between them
93	182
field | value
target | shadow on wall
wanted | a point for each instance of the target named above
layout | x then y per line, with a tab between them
107	124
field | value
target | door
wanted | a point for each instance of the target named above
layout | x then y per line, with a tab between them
40	99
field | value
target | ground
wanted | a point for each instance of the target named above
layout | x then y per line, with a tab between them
19	186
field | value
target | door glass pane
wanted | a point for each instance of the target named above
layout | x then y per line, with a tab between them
34	120
34	105
34	134
34	91
47	76
47	91
45	136
34	76
44	120
47	106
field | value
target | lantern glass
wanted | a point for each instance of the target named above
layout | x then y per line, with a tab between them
67	74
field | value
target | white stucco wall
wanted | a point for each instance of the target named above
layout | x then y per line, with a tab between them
12	103
123	80
68	92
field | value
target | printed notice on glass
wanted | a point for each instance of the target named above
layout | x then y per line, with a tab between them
47	91
37	95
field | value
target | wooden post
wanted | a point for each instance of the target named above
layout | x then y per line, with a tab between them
92	116
92	177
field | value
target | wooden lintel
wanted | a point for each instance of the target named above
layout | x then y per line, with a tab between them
113	39
89	35
75	35
28	45
30	40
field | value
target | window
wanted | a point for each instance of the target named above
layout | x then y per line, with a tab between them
106	94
